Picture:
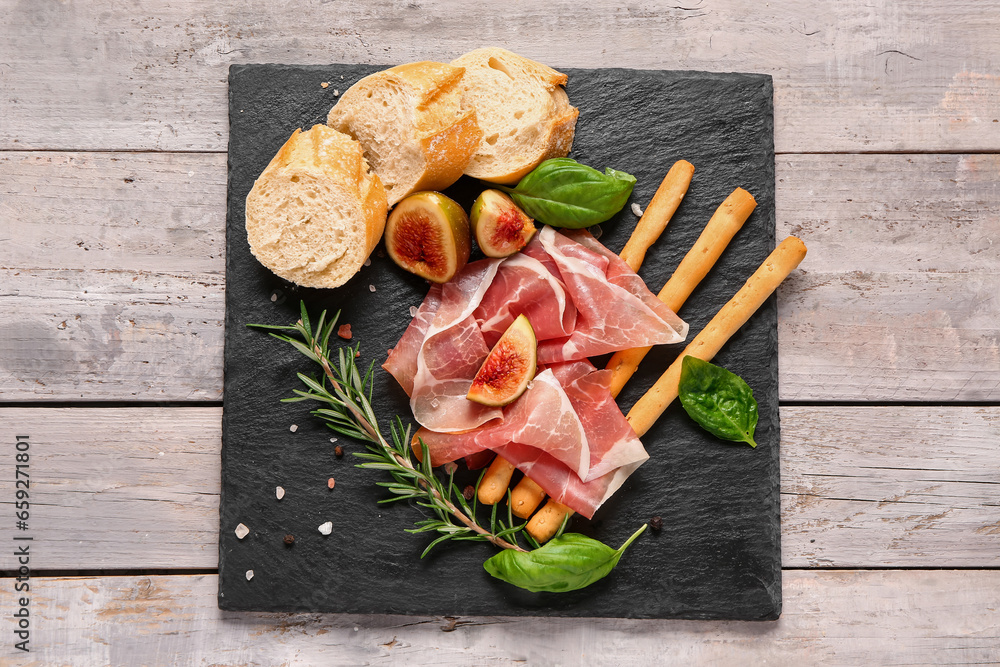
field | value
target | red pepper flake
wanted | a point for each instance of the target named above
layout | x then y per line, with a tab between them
344	331
338	451
289	540
330	483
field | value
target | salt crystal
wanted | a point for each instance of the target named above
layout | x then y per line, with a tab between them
450	467
336	92
274	297
326	528
249	575
293	428
242	531
368	262
279	492
371	288
636	210
333	440
413	311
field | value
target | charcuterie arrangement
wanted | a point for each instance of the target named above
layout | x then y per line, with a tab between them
496	361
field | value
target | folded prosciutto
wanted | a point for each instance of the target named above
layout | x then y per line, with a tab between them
565	431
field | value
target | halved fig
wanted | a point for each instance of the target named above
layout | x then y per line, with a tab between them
501	228
428	234
509	367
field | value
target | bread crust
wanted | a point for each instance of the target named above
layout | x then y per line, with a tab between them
444	132
318	158
558	125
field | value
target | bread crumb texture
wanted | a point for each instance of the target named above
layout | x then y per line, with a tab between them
317	210
412	124
522	109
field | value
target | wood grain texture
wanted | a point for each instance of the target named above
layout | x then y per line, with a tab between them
119	488
849	76
829	618
113	277
861	487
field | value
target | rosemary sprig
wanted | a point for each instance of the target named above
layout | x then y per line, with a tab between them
347	396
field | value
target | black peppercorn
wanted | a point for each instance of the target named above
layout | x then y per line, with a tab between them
656	523
468	492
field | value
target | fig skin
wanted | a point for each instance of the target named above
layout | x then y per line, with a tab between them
427	234
508	368
500	226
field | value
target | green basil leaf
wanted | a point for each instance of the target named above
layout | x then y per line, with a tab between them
566	563
561	192
720	401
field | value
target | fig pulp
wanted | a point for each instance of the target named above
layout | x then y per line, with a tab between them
508	368
428	234
501	228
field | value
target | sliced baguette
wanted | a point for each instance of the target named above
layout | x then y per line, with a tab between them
317	210
523	110
416	132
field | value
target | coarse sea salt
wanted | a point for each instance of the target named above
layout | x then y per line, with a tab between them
279	492
368	261
242	531
636	210
293	428
326	528
371	288
274	297
413	311
249	575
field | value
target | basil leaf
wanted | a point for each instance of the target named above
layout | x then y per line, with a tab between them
720	401
566	563
561	192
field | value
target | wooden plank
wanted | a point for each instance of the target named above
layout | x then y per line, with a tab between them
849	76
119	488
112	279
861	487
829	618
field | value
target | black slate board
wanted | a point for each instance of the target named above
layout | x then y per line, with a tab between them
718	554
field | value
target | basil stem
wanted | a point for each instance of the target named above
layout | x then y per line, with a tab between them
561	192
566	563
720	401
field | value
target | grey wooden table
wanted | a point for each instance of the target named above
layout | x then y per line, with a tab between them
113	135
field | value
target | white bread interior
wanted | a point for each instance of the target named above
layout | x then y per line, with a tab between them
412	123
317	210
523	110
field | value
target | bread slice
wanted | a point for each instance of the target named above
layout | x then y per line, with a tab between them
523	110
317	210
416	132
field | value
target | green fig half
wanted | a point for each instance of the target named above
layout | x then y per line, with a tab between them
500	226
428	234
508	368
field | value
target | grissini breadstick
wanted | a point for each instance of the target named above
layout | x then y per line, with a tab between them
725	222
658	213
525	498
493	486
720	329
547	520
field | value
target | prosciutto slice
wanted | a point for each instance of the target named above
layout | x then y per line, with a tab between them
614	307
450	354
538	431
